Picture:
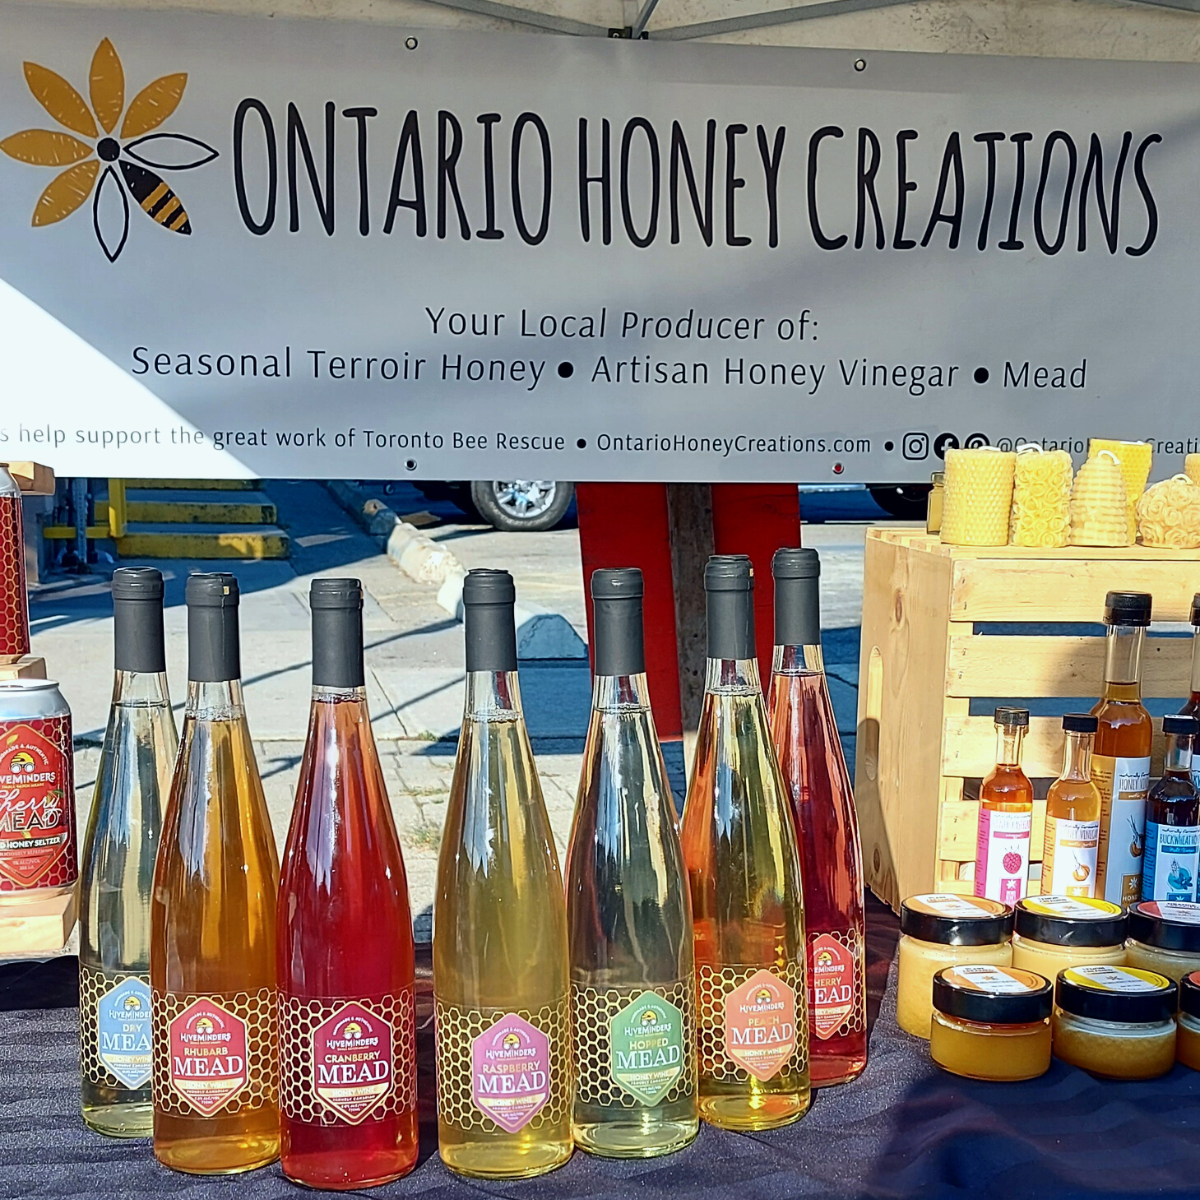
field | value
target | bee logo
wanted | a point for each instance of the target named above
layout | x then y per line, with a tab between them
106	166
824	959
763	996
204	1025
649	1017
511	1041
132	1004
354	1031
22	763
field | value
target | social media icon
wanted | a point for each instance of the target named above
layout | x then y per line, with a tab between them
916	446
975	440
944	442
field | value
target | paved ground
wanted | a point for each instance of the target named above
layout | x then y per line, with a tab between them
414	658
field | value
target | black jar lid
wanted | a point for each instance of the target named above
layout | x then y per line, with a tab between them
1128	608
1189	994
1070	921
1106	993
992	995
949	920
1167	924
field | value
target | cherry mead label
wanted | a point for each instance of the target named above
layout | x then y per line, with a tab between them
37	819
831	970
207	1044
352	1067
760	1025
510	1068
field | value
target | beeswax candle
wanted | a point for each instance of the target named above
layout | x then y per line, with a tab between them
1168	514
1041	507
1134	459
977	503
1191	467
1098	510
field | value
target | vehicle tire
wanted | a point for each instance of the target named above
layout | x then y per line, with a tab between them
518	506
907	502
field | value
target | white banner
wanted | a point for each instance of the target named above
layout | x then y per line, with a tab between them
240	247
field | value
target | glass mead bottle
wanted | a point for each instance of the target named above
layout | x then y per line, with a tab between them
500	977
1191	706
629	915
212	937
117	868
739	846
804	730
348	1069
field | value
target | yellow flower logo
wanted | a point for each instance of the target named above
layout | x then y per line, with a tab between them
120	163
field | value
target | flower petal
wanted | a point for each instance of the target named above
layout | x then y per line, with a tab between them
156	198
45	147
110	214
60	99
189	151
107	83
65	193
153	105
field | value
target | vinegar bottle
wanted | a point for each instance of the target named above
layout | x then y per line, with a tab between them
1072	833
739	846
347	1036
629	915
1121	762
117	869
501	983
1191	707
804	731
212	947
1173	820
1005	815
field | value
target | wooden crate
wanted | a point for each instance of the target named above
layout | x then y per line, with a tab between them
922	660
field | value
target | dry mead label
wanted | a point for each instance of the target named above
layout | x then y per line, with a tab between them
760	1025
123	1031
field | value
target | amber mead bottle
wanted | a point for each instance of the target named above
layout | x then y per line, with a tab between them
1121	762
215	1078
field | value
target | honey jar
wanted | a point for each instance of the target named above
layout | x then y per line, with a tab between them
1115	1022
1187	1042
1164	936
942	930
991	1022
1051	933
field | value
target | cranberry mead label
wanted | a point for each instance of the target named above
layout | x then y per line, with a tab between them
833	974
510	1070
207	1044
352	1066
123	1031
37	824
760	1024
646	1040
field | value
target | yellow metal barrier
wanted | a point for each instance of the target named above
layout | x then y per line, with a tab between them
116	518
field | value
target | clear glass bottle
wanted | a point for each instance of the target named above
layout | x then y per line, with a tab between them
1121	760
1191	706
629	915
1072	833
348	1069
1005	815
804	730
501	981
117	867
739	845
212	938
1170	864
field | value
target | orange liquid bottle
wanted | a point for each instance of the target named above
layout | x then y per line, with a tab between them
1191	706
1005	815
215	1077
1072	816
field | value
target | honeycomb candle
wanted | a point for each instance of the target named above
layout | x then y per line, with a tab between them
977	504
14	605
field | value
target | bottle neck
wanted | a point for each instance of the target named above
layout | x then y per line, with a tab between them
1178	759
492	696
140	689
220	701
620	693
323	694
1077	756
732	676
1123	654
798	660
1008	745
1196	661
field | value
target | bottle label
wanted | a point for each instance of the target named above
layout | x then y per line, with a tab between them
123	1031
343	1061
510	1066
1123	784
1069	857
835	986
214	1053
1002	854
1170	862
37	805
646	1044
760	1024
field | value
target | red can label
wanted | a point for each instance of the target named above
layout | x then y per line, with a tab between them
207	1045
37	805
14	603
833	974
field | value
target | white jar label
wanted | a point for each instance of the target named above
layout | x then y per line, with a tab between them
1074	907
1117	979
996	981
1002	854
945	904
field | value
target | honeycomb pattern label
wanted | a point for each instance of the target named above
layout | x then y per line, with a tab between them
837	1002
713	987
14	601
114	1029
37	809
595	1013
457	1033
214	1028
368	1081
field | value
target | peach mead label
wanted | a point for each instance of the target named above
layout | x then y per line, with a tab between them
37	825
123	1031
352	1067
833	979
646	1041
207	1044
760	1025
510	1072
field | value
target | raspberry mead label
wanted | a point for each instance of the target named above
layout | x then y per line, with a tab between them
510	1068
